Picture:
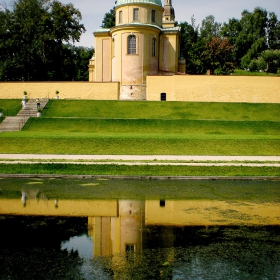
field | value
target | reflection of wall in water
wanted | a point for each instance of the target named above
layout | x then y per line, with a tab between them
210	213
113	235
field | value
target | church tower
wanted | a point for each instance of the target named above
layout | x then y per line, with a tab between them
168	19
143	42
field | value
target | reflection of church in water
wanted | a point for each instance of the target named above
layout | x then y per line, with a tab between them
130	230
122	233
123	226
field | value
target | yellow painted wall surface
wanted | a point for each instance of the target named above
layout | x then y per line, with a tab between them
215	88
67	90
177	88
144	14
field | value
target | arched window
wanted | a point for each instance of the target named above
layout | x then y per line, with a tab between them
154	47
131	44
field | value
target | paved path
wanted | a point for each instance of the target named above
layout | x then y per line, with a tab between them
145	159
17	123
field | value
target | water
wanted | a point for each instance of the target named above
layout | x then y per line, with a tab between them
44	236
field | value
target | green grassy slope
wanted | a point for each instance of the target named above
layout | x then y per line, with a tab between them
176	128
162	110
10	106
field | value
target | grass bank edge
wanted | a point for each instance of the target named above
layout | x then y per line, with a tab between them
139	170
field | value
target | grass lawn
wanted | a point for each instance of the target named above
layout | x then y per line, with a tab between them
144	128
10	107
152	126
162	110
46	143
138	170
240	72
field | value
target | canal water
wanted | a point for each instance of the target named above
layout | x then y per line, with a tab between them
125	229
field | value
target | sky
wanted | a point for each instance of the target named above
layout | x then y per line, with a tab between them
93	12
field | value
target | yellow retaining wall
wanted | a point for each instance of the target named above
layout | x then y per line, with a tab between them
67	90
177	88
252	89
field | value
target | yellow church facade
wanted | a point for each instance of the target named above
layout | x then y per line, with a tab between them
144	42
139	59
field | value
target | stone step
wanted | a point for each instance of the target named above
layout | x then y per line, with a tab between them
17	123
13	123
30	109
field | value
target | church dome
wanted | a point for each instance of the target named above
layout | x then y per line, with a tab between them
126	2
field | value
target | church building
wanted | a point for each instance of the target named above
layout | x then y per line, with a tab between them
144	41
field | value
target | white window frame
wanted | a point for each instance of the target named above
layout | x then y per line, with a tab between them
131	44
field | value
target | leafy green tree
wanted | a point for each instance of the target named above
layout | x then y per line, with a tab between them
251	35
81	56
273	32
210	28
33	40
218	56
109	19
192	47
272	60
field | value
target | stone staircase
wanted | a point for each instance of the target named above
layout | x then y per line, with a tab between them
17	123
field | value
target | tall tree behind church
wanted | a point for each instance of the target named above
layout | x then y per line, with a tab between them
33	40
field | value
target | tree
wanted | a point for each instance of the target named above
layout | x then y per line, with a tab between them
272	60
219	56
192	47
249	35
32	44
273	32
81	56
109	19
210	28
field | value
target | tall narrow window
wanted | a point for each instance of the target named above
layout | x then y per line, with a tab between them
120	17
153	19
113	47
154	47
135	13
131	44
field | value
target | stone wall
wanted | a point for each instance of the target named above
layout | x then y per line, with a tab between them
67	90
177	88
251	89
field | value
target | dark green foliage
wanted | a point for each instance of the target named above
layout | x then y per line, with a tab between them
33	37
246	39
109	19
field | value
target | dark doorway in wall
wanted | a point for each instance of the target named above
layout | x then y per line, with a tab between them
163	96
162	203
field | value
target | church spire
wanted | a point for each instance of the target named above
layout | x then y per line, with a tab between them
168	14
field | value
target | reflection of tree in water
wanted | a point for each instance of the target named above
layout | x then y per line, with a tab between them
30	247
39	263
